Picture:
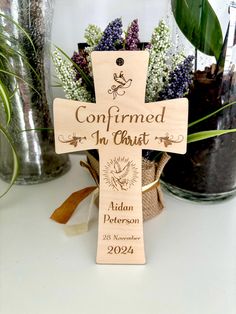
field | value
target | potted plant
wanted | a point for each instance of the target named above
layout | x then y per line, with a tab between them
26	157
208	170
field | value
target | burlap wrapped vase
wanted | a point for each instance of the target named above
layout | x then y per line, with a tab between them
152	198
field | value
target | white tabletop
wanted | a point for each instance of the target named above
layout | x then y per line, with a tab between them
190	251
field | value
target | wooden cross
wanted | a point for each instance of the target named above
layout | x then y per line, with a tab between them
120	125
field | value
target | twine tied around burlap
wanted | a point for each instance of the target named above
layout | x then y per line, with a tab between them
152	197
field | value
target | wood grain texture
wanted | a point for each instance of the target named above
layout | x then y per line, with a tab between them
120	125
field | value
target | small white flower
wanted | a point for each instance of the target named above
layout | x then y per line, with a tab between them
92	35
67	75
158	68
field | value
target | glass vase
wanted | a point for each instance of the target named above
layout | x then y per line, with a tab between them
208	170
30	128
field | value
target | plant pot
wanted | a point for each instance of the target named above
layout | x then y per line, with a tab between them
38	161
30	102
208	171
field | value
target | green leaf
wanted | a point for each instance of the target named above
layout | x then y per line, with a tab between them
15	52
3	56
14	92
211	114
199	136
37	129
6	101
15	160
199	23
81	72
21	79
31	68
20	28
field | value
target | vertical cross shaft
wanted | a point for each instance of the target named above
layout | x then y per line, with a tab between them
120	125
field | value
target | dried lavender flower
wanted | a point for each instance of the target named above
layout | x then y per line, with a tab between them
111	38
88	50
132	36
179	80
73	89
158	61
80	58
148	46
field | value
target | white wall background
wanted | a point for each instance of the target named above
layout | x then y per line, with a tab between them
71	17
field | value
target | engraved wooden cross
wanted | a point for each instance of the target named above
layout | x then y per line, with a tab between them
120	125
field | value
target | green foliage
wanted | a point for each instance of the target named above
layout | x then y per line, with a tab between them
211	114
8	18
4	96
203	135
19	78
200	25
9	48
15	160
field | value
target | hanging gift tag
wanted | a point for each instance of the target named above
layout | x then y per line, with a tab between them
120	125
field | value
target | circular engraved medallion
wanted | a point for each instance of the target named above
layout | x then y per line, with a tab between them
120	173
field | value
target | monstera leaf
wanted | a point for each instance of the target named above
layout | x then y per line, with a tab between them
200	25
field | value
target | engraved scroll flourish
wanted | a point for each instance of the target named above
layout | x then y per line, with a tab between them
71	140
169	139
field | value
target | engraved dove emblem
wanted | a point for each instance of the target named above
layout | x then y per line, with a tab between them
120	173
118	90
119	176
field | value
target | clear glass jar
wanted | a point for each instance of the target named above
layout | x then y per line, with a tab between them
208	170
31	103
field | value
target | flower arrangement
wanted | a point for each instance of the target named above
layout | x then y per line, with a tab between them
169	76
